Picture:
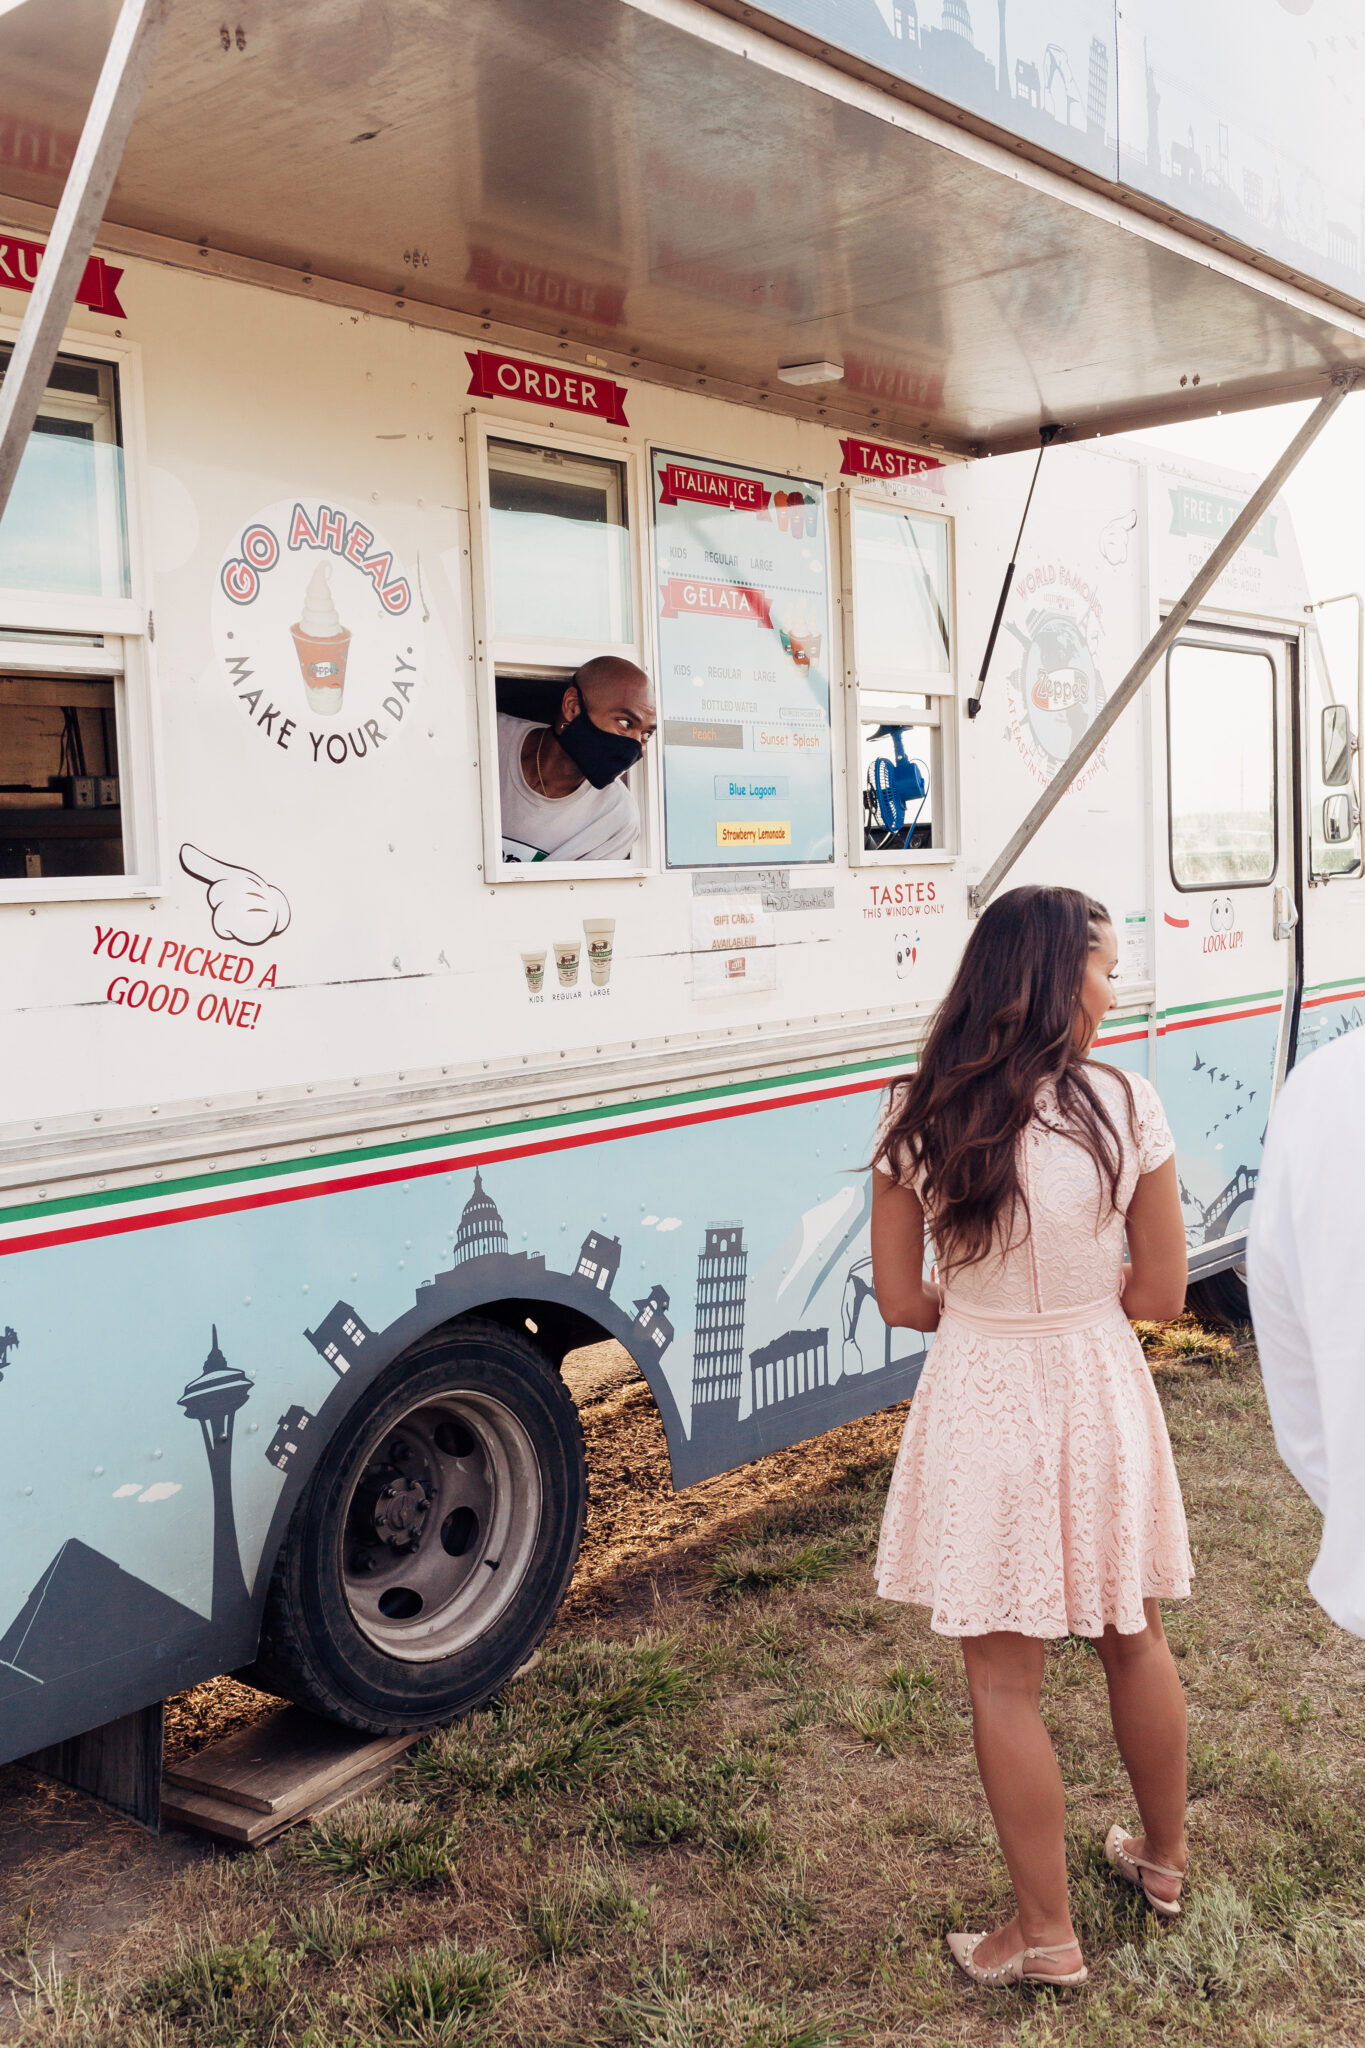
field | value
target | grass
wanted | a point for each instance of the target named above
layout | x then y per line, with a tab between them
751	1825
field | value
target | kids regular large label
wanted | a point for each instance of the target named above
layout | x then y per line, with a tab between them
743	593
318	636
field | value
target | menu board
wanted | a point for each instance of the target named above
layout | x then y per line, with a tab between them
743	593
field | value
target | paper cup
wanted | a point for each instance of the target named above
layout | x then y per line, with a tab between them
598	933
567	953
534	964
322	658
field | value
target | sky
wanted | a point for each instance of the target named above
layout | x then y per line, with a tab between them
1325	496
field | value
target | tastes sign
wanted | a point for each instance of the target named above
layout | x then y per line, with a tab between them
874	458
566	390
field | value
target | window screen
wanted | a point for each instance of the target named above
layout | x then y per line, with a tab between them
65	528
1221	737
560	546
60	796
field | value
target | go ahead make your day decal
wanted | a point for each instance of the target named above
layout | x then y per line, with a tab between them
317	634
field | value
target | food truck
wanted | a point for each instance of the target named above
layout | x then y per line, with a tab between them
369	369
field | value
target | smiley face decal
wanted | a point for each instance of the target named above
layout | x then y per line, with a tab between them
907	952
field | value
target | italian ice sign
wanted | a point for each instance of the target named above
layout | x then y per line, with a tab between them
742	583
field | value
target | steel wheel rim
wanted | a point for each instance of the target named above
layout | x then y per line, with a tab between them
439	1526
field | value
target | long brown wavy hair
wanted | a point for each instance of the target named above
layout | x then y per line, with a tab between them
1005	1029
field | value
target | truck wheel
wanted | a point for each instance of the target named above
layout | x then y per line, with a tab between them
434	1542
1221	1298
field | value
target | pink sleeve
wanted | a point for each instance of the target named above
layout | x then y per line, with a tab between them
883	1123
1155	1143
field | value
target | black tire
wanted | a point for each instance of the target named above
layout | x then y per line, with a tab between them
475	1423
1221	1298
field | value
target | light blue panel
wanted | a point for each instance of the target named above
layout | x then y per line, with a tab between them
1215	1083
1322	1022
106	1492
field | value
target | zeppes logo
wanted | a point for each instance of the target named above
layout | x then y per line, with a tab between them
1056	689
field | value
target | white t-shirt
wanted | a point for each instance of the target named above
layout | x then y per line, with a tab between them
1306	1277
588	824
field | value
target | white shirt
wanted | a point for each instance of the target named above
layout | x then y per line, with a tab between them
1306	1275
588	824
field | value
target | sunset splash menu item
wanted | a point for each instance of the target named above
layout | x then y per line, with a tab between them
742	590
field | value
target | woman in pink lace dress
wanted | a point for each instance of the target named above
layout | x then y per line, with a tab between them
1034	1495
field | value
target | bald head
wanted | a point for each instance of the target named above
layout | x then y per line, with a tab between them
615	695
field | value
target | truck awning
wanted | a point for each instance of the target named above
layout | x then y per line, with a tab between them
666	192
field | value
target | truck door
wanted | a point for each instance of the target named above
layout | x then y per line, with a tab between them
1228	958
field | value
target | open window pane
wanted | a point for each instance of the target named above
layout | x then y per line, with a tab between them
899	779
560	546
900	571
60	795
1221	710
65	528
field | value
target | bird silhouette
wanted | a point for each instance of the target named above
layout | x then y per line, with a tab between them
1239	1086
1251	1095
1198	1063
1222	1077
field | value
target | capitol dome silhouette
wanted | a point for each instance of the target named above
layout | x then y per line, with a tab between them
956	18
482	1230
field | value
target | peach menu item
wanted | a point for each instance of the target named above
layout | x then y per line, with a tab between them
322	644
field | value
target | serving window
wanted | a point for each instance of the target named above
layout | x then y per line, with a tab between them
76	810
555	525
901	688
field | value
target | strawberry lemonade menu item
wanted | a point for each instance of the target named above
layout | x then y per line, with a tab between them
742	576
322	644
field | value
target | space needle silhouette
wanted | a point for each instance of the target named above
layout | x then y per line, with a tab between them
212	1401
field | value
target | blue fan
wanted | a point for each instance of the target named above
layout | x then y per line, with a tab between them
898	783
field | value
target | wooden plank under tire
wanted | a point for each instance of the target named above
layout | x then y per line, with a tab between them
288	1767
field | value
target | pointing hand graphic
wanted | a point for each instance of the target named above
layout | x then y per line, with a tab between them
244	907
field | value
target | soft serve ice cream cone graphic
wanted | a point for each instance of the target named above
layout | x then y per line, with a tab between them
322	644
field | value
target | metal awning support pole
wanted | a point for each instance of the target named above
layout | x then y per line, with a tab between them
1100	727
89	182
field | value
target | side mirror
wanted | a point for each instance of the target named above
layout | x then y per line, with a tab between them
1336	745
1339	816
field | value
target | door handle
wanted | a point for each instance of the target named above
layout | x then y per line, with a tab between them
1286	912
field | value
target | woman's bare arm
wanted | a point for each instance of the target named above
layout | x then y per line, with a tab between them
1154	1280
904	1302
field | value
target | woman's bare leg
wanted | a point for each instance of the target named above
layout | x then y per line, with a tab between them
1024	1786
1147	1708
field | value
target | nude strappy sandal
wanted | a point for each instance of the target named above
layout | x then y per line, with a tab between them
964	1946
1130	1869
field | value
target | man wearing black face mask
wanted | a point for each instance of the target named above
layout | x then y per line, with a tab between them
562	793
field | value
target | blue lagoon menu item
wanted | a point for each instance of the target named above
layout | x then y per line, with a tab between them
742	575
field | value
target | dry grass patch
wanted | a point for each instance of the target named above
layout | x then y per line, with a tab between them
750	1824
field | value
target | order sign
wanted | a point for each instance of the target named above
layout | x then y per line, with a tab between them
742	587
